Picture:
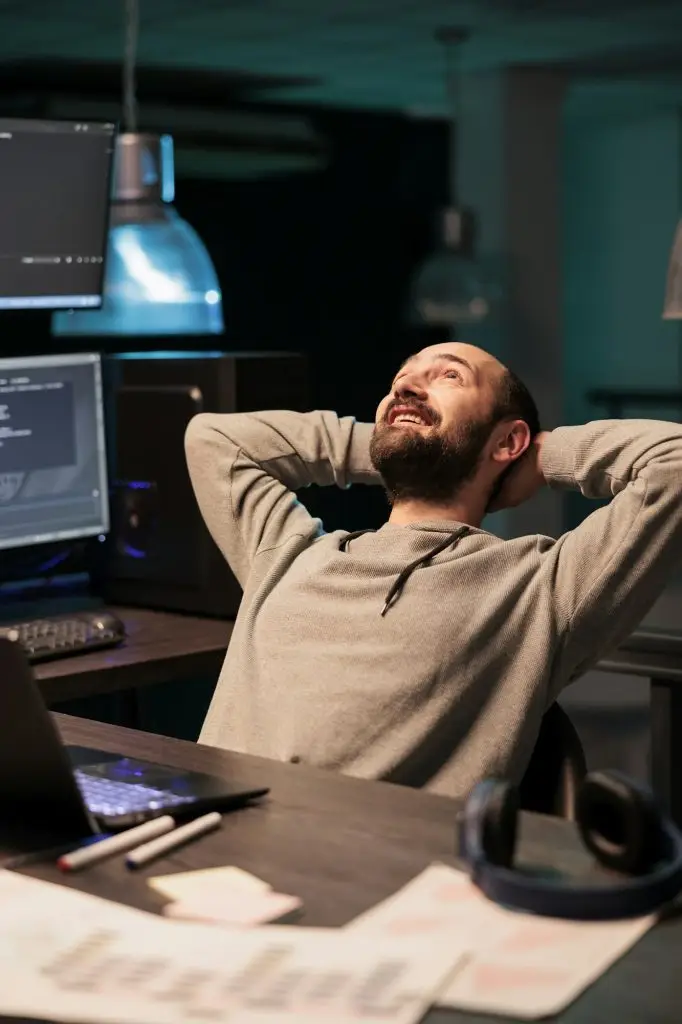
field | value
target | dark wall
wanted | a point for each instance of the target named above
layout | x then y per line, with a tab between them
319	263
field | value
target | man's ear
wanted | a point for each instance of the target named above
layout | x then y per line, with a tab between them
521	438
513	442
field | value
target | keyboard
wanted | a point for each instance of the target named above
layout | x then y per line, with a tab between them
108	797
64	635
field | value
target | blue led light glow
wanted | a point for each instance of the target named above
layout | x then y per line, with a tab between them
133	552
168	354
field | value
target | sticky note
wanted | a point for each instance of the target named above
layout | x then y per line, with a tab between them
207	884
244	909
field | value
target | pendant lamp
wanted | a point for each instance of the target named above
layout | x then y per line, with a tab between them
159	278
452	286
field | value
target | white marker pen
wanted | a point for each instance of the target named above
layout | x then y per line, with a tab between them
96	852
199	827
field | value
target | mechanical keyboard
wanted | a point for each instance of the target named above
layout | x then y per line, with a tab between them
65	635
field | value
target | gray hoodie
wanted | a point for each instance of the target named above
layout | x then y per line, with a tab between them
422	654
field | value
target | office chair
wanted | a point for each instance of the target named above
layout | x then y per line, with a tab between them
556	767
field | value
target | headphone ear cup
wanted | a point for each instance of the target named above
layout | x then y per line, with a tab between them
620	822
499	816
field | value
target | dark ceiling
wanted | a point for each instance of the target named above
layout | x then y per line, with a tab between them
367	53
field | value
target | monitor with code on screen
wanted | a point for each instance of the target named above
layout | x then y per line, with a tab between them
53	475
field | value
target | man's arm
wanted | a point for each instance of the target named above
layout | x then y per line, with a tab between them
245	467
607	573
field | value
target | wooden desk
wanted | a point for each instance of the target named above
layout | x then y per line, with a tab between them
342	844
657	655
160	647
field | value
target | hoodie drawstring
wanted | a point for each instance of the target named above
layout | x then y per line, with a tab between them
402	578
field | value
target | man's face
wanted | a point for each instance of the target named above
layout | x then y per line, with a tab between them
433	428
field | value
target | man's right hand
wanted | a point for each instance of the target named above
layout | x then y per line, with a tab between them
525	479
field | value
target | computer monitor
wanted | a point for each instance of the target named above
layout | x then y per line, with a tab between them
55	181
53	475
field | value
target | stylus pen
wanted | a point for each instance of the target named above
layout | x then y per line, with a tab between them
87	855
150	851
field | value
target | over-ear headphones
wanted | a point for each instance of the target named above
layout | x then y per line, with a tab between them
620	823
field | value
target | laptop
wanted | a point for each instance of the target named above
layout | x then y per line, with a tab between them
77	791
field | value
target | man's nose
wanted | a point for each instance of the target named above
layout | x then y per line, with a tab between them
410	387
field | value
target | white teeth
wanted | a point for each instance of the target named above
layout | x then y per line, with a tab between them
405	417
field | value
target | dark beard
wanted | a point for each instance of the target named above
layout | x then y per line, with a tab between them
431	467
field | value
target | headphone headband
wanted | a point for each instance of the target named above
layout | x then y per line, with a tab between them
487	839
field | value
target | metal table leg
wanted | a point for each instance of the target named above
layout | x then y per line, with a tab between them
666	745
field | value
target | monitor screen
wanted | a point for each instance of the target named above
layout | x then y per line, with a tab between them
53	478
54	212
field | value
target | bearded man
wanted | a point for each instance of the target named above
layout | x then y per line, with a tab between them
426	652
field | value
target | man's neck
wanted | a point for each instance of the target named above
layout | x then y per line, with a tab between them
465	509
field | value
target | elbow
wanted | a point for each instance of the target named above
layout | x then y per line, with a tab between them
197	433
207	442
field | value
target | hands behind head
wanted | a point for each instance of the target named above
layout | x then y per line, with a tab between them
523	480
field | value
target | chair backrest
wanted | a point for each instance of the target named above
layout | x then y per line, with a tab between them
556	768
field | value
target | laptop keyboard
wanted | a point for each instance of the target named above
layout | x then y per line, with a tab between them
106	796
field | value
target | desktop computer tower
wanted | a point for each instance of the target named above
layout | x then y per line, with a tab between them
160	553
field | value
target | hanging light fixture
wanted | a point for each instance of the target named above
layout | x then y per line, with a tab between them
452	287
672	309
159	278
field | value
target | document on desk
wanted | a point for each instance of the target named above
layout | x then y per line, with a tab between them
519	965
66	956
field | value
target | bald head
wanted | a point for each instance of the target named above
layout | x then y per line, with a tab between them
475	356
479	366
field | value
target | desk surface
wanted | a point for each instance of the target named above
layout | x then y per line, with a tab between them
160	646
342	844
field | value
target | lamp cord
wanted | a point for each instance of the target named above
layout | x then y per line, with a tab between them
452	41
452	93
132	32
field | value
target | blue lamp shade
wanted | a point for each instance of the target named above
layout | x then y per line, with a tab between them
159	278
451	287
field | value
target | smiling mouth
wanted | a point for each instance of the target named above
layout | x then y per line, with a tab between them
402	415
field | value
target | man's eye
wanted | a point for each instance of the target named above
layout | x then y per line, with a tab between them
453	373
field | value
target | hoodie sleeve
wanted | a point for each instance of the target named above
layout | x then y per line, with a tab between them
245	468
606	574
